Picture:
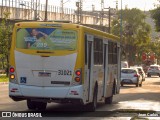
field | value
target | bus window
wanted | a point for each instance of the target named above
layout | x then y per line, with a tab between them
112	53
46	39
98	51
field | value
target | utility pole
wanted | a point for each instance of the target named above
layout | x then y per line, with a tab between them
77	5
81	4
35	12
102	12
121	32
117	5
109	20
62	9
79	11
93	7
45	19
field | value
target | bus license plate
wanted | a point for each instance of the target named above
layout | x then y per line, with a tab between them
44	74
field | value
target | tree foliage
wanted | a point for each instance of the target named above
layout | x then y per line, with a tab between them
155	14
5	41
135	31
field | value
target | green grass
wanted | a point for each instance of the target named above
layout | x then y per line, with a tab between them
3	78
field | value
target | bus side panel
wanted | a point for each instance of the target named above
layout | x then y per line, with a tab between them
110	80
99	77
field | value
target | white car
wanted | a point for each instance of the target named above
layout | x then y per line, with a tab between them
131	76
141	72
153	70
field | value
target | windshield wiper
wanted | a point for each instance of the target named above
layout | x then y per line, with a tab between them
44	52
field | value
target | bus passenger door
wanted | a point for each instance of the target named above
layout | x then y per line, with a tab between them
88	67
105	64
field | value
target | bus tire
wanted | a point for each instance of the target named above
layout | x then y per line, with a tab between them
108	100
92	106
31	105
41	105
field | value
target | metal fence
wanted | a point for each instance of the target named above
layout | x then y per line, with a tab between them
25	10
21	9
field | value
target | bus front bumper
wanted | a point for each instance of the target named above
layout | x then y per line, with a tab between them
22	92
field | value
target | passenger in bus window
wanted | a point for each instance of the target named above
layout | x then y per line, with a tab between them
36	36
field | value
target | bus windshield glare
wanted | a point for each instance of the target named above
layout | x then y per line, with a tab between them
46	39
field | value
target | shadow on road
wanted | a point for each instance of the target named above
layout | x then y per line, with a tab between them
150	96
128	86
71	107
153	77
156	83
72	110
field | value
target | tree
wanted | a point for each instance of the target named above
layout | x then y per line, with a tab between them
5	42
155	14
136	32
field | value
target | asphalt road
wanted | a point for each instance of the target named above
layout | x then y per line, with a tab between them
131	101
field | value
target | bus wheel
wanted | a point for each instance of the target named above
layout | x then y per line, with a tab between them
41	105
92	106
31	105
108	100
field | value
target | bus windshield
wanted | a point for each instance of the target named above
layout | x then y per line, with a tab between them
46	39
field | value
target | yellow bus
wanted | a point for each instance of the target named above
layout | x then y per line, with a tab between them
64	63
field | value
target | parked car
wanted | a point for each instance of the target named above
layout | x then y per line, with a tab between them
131	76
141	72
153	70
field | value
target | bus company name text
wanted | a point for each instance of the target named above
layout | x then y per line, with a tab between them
19	114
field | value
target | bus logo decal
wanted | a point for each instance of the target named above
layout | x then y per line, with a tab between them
23	79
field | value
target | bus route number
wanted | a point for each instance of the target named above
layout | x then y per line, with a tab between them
41	45
64	72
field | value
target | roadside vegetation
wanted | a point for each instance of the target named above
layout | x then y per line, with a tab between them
5	42
136	34
3	78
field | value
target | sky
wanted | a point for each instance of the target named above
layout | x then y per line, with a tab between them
87	4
